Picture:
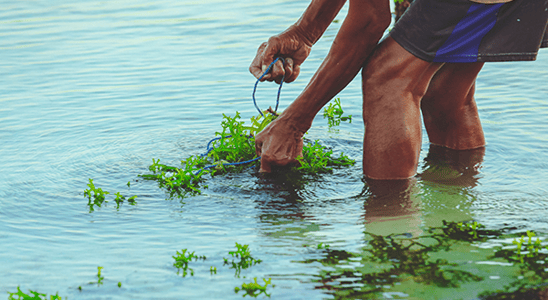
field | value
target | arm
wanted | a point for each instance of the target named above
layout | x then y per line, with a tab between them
295	43
281	141
359	34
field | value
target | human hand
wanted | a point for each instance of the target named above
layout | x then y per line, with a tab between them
289	45
279	144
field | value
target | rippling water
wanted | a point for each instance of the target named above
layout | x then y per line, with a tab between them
96	89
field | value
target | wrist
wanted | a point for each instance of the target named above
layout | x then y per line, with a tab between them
317	17
306	35
297	120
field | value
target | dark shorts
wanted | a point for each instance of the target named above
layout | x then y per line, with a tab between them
465	31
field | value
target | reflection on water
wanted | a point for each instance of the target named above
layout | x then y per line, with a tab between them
95	89
453	167
440	264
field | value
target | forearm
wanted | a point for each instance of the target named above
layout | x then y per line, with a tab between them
317	17
355	41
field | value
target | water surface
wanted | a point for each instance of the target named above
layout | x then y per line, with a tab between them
96	89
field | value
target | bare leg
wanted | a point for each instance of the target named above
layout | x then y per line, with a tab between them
449	109
394	82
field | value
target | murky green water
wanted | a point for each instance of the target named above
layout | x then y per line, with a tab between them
92	89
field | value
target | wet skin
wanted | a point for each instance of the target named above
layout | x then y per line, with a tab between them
396	86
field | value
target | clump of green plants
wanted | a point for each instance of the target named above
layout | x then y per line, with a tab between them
100	277
120	199
253	288
32	295
528	254
97	194
531	248
318	159
232	146
388	261
236	142
533	271
334	113
99	197
466	231
183	258
322	246
246	260
178	181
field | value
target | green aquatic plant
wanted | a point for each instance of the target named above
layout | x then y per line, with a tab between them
246	260
318	159
120	199
233	144
235	141
183	258
33	295
258	123
322	246
100	277
466	231
387	261
527	253
99	280
99	197
97	194
333	112
532	248
178	181
532	261
253	288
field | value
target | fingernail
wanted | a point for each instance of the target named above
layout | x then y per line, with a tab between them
264	68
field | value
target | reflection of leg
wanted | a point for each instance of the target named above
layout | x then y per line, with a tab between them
454	167
392	207
449	110
394	82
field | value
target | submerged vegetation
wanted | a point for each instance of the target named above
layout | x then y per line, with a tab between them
32	295
334	113
183	258
97	197
318	159
246	260
383	263
233	150
386	262
253	288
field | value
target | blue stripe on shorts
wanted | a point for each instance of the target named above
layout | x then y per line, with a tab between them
463	44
